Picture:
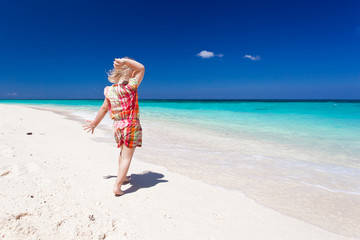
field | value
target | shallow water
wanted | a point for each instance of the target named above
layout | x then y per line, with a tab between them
300	158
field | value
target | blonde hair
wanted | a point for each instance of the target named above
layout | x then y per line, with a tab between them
114	75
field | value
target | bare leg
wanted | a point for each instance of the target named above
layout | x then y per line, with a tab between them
125	157
126	178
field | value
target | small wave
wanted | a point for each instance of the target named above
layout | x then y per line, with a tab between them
332	190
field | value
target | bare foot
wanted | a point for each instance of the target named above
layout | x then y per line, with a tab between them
117	187
117	191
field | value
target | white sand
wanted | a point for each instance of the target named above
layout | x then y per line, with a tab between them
52	186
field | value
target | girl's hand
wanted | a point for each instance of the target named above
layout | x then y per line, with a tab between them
90	127
118	63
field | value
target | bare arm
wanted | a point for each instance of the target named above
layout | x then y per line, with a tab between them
139	69
100	115
129	62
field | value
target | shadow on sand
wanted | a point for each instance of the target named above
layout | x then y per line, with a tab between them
143	180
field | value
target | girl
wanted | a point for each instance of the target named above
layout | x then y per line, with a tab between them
121	100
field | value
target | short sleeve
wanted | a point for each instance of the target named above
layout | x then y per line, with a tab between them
133	83
105	91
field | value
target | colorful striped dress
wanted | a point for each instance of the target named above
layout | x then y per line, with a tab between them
124	110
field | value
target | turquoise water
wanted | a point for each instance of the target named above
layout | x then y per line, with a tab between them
336	124
329	126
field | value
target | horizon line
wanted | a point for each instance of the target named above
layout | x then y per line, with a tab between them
203	99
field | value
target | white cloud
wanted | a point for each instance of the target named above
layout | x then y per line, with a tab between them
11	94
254	58
207	54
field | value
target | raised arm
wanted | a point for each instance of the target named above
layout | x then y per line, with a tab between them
139	69
129	62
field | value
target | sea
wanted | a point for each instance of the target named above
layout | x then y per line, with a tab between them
298	157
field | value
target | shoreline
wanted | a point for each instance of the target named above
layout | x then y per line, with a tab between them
212	211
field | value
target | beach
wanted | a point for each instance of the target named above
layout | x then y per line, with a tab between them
56	183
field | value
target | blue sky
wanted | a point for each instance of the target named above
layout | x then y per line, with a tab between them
190	49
